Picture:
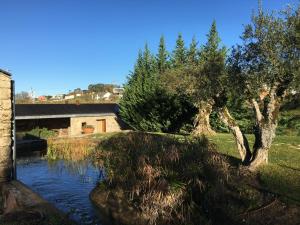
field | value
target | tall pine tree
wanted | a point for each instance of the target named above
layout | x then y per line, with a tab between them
162	56
209	79
146	105
141	83
179	54
192	58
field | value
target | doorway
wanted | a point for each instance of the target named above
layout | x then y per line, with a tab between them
101	125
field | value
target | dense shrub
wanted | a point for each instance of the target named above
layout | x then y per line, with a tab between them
170	180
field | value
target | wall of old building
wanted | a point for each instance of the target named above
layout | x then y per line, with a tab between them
112	124
5	127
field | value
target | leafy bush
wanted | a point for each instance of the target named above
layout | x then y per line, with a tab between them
39	133
147	106
289	123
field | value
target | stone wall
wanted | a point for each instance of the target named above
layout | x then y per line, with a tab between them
5	127
112	124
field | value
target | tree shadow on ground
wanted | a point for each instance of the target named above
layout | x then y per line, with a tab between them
289	167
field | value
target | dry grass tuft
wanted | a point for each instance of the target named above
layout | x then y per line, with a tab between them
70	149
163	177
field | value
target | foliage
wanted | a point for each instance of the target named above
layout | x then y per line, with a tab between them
209	79
101	87
179	56
289	123
70	149
269	55
23	98
159	175
176	180
88	126
162	56
192	53
39	133
146	105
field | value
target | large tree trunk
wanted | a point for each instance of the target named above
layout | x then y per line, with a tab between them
264	130
264	136
240	138
201	123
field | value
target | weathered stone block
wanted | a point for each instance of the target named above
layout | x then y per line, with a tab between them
5	153
5	104
5	84
5	125
5	133
5	94
4	78
5	141
5	115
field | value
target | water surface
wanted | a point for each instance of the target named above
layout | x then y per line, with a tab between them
65	184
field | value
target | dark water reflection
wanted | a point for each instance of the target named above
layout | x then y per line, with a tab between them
65	184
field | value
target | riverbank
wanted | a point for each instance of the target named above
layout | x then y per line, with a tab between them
167	179
22	206
173	179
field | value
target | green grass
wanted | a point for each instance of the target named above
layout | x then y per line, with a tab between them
282	174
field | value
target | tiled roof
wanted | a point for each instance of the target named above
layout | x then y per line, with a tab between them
44	110
5	72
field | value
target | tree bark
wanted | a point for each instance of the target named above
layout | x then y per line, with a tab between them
202	121
264	130
240	138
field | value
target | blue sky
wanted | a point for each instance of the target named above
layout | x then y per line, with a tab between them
54	46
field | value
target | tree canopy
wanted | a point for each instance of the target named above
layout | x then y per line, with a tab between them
167	92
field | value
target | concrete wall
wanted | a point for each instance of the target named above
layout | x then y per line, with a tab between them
112	124
5	127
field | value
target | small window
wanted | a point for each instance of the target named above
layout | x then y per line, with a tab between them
83	124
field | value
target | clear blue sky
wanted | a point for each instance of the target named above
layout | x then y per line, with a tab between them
58	45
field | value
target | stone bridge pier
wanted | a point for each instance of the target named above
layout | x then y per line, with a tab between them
6	106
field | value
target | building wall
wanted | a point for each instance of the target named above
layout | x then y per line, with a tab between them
5	127
112	124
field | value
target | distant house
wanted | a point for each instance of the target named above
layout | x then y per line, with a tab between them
42	98
57	97
118	91
69	118
70	96
107	96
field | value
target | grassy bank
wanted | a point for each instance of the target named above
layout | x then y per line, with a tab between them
167	179
282	174
173	179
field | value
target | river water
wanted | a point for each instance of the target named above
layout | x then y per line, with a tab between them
65	184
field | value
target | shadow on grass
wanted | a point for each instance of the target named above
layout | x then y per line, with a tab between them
234	161
289	167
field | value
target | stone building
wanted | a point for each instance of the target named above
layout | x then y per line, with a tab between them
69	119
5	126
